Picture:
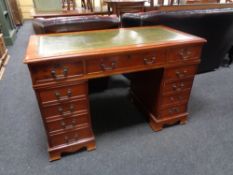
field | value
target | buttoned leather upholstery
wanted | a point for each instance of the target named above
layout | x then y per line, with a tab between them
74	24
215	25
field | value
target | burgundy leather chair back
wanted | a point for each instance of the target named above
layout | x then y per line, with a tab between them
215	25
74	24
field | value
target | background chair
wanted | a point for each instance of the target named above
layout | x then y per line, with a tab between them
75	24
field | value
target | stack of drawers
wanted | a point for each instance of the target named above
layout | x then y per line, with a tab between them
64	106
3	56
176	85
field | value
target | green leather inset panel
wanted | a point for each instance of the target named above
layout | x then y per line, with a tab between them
52	45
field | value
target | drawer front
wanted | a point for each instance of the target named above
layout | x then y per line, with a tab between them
175	99
148	58
180	72
61	93
106	64
172	111
178	86
65	109
56	71
67	123
69	137
125	61
184	53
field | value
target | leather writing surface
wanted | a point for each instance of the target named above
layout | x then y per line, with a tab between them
52	45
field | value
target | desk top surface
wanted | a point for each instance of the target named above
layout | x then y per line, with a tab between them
56	46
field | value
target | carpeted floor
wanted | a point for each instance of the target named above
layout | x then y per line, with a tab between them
125	143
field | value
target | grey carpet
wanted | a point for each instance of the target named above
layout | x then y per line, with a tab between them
125	143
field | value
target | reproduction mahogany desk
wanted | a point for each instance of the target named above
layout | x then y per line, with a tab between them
120	6
161	61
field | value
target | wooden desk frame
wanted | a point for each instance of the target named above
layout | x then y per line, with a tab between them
118	6
61	84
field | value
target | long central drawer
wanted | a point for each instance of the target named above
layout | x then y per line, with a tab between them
131	61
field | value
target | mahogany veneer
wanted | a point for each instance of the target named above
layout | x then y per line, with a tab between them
162	63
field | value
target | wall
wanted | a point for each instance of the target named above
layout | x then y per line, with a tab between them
26	8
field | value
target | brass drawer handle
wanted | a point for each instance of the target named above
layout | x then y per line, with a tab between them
54	73
58	95
61	111
182	85
65	71
108	68
179	98
185	54
173	110
69	93
70	140
71	108
178	87
181	74
149	61
71	126
172	99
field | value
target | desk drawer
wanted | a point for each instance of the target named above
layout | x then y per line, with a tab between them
67	123
63	92
65	109
180	72
106	64
71	137
184	53
172	111
172	99
125	61
56	71
156	57
178	86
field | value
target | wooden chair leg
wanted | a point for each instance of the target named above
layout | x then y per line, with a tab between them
83	4
68	4
74	4
89	5
63	4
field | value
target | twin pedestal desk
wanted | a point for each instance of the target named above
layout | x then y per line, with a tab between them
161	61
